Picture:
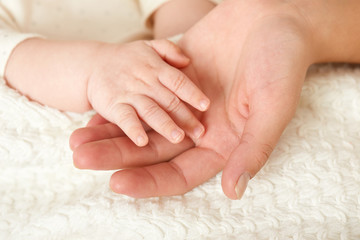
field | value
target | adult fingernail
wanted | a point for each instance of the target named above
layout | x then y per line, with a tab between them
242	184
176	135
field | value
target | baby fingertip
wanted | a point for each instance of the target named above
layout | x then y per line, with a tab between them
141	141
204	104
177	136
185	60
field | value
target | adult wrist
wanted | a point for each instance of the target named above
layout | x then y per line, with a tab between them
334	29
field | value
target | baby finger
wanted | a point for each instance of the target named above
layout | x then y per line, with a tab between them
184	88
126	118
152	114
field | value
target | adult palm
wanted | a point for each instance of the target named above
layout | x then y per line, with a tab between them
250	59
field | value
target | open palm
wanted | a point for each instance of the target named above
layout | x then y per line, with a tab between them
251	66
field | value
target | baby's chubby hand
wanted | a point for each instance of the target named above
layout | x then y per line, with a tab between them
140	81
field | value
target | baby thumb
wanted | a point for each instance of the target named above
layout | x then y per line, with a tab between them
169	52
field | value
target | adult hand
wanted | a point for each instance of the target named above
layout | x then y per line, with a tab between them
250	58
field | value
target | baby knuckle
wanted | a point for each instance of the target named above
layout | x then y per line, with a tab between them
173	105
167	125
120	114
179	81
112	106
150	111
125	118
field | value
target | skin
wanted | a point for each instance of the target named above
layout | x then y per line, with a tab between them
123	82
259	52
177	16
144	83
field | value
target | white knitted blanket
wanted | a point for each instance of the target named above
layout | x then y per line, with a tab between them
309	189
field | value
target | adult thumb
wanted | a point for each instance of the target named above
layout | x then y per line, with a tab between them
261	133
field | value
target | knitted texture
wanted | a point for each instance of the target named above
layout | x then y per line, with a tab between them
309	189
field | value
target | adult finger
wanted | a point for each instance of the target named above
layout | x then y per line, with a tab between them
175	177
99	129
121	152
97	119
94	133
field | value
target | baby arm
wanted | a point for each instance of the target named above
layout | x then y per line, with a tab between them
120	81
59	74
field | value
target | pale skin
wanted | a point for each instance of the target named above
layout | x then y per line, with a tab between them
128	84
259	52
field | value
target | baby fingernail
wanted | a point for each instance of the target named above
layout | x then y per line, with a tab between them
141	141
176	135
185	57
204	104
198	132
242	184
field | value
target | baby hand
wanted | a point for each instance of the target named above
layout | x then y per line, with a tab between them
140	80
